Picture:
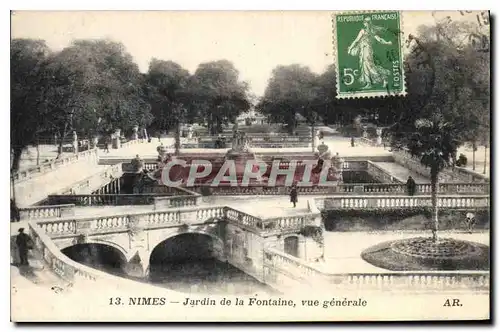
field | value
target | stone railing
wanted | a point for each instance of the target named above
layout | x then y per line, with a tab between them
94	182
397	201
400	188
76	273
174	218
260	190
64	227
88	155
105	199
366	141
282	269
270	226
47	211
133	142
456	174
379	174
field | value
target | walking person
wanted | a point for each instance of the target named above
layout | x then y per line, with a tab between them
352	142
293	195
410	186
24	243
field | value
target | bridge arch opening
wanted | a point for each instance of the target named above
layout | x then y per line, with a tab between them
99	256
291	245
194	263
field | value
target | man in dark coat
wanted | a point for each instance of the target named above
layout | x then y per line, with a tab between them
293	195
411	186
24	243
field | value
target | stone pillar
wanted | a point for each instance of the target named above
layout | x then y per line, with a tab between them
379	136
95	141
75	142
190	132
116	139
135	134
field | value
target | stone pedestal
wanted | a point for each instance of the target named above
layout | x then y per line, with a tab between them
190	132
379	136
95	141
75	142
135	133
116	142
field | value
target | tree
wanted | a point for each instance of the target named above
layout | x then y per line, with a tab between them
169	93
291	90
219	94
432	129
434	141
28	58
94	89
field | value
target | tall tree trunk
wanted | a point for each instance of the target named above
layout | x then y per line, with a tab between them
474	147
37	151
37	154
177	138
485	158
434	199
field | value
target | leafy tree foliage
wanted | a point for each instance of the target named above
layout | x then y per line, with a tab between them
219	94
28	58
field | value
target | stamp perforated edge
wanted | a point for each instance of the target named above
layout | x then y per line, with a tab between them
358	94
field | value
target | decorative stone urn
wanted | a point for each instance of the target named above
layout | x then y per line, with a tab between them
135	133
337	163
116	139
162	151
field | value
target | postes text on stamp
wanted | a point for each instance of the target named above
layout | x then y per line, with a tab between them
369	54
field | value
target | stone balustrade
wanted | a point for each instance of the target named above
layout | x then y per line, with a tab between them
380	174
133	142
366	202
280	266
94	182
176	201
76	273
44	168
456	174
47	211
104	199
400	188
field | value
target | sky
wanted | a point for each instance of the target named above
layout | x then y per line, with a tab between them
256	42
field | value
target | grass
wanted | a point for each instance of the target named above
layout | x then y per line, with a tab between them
383	256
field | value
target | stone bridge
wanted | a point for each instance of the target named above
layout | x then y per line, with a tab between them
226	234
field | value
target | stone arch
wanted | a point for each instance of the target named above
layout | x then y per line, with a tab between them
111	261
114	245
216	238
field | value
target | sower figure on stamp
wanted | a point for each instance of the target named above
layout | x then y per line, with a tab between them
411	186
24	243
362	47
293	195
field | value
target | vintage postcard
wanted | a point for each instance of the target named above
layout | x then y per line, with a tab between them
250	166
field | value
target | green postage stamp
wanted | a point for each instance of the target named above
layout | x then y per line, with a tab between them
369	54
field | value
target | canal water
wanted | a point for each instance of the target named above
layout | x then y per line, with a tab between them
196	276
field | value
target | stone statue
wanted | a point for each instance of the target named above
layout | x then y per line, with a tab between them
240	142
